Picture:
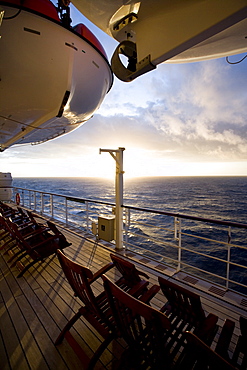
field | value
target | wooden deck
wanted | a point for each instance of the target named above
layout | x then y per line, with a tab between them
35	307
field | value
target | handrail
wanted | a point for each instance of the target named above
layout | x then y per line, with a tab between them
172	214
74	199
190	217
166	243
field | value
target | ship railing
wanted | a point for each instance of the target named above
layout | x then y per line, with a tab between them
214	250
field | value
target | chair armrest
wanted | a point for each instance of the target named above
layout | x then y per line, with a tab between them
138	289
36	233
24	225
142	274
149	294
33	247
101	271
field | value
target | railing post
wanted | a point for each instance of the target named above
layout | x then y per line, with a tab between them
23	198
35	203
51	201
179	238
228	257
176	222
66	211
29	198
42	203
87	217
126	225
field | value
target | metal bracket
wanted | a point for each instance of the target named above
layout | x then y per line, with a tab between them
134	68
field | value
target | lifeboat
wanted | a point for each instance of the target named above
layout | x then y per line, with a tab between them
53	77
150	32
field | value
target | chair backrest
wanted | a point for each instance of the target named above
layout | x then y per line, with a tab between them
128	270
17	235
198	355
182	302
22	213
142	326
3	223
6	210
79	277
63	243
240	352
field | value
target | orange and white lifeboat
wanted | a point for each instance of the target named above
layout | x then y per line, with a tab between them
53	77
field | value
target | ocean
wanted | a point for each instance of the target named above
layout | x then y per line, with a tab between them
223	198
220	198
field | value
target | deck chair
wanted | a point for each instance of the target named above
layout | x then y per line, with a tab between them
185	311
95	308
241	347
37	247
62	241
26	225
223	347
142	327
26	230
130	274
7	211
7	240
33	217
199	356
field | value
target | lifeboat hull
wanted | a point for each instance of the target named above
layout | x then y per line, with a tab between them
52	79
175	31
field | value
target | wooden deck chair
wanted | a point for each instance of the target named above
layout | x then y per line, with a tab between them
95	308
199	356
224	348
33	218
37	247
25	224
7	211
185	312
142	327
26	230
241	347
63	243
7	240
130	274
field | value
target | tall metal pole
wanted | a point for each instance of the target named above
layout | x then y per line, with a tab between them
117	154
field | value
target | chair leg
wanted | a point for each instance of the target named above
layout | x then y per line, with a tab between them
18	259
9	249
9	245
28	266
69	324
99	351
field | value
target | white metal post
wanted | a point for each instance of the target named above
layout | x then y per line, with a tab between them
228	257
117	155
52	211
87	216
66	211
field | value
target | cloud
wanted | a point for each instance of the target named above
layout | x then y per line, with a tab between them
194	110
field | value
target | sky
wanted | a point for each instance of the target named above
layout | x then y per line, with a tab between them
178	120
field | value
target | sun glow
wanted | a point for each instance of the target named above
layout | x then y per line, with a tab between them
136	163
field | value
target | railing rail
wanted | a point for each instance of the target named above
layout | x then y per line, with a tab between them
212	249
